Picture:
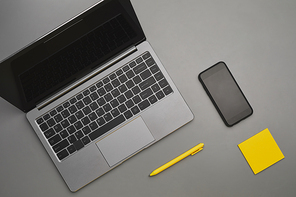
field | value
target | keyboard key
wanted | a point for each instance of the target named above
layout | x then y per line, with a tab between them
64	134
63	154
115	93
108	117
53	112
79	96
158	76
86	92
79	105
108	97
79	115
65	123
66	104
85	120
107	107
57	128
144	104
86	130
167	90
72	119
122	78
40	120
136	99
115	112
73	100
86	110
108	87
122	108
92	116
61	145
136	90
121	99
101	101
72	138
101	121
130	74
119	72
49	133
130	84
65	113
145	74
43	126
140	68
46	116
79	134
85	140
99	84
128	114
154	69
101	91
58	118
92	126
137	79
78	125
145	94
155	88
94	96
115	83
55	139
152	99
71	129
60	108
160	94
87	100
51	122
106	80
71	149
148	82
163	83
150	62
107	127
139	60
146	55
72	109
112	76
92	88
132	64
93	106
100	112
135	110
114	103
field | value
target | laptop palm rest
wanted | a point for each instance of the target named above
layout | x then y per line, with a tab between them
125	141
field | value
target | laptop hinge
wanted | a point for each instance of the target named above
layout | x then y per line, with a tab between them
86	78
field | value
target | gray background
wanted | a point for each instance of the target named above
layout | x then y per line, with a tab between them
256	38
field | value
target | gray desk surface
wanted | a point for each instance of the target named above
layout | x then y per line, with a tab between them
257	39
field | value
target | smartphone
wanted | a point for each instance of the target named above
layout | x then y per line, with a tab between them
225	94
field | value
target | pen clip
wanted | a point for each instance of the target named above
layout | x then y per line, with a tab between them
196	151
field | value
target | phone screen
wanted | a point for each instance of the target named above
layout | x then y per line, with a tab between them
225	94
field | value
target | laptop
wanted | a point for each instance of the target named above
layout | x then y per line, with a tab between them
94	92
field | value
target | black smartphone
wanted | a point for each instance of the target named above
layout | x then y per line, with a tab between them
225	94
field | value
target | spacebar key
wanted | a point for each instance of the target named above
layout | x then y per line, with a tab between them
107	127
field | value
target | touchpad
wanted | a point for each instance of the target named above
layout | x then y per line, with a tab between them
125	141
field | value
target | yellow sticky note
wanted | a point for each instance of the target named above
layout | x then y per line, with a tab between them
261	151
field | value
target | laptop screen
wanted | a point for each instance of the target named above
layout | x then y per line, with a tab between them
69	52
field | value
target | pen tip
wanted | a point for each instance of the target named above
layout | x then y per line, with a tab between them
152	174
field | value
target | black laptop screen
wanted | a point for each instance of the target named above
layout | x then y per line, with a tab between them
68	53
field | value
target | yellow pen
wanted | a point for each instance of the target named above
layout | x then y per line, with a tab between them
192	151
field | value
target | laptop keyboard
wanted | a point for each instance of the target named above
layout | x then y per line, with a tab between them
104	105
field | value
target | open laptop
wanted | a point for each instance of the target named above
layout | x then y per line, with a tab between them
94	91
